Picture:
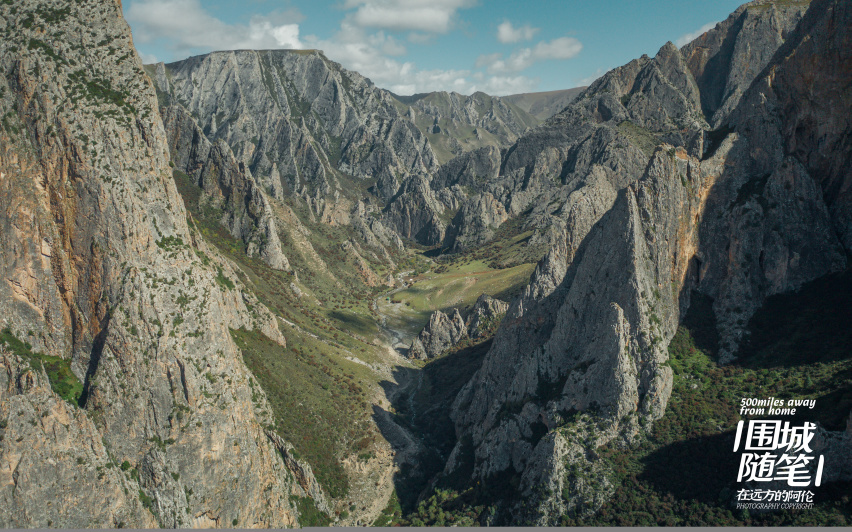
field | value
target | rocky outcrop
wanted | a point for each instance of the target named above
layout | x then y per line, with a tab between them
779	217
41	480
296	119
101	270
726	60
420	213
473	169
441	333
298	126
444	332
227	187
484	316
475	222
595	343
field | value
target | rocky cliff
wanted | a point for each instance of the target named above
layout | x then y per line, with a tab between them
227	186
444	332
301	124
737	213
103	276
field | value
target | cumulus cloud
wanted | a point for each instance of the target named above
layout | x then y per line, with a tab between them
506	33
187	26
431	16
687	38
370	55
363	43
561	48
488	59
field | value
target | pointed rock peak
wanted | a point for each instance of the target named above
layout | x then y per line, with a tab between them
486	302
667	50
482	299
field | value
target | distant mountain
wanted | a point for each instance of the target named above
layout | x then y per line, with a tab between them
543	105
455	123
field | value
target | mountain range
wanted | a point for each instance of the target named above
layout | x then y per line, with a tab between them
252	289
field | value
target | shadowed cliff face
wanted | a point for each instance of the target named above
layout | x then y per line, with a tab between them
101	271
725	60
739	213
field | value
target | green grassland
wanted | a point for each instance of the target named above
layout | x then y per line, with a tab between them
311	379
458	286
500	268
313	395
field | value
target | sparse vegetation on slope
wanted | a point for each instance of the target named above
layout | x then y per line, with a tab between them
320	400
798	348
62	379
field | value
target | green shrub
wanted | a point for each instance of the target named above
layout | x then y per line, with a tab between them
62	380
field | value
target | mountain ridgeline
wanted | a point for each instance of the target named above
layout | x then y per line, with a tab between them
252	289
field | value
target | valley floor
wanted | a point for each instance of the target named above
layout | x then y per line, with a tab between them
374	424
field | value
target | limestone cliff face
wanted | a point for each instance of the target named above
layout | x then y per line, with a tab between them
725	60
101	269
781	214
756	207
63	452
444	332
227	186
441	333
594	343
296	120
292	124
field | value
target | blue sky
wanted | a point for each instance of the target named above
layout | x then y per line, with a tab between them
408	46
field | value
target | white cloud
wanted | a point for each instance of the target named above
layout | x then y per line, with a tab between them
421	38
561	48
585	82
186	25
488	59
506	33
357	50
687	38
431	16
148	59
